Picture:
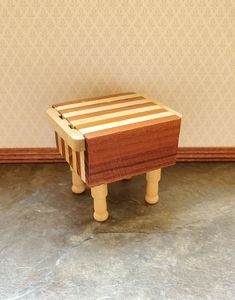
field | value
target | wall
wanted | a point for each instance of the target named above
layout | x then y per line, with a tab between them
182	52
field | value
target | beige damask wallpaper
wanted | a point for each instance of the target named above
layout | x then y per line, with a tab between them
180	51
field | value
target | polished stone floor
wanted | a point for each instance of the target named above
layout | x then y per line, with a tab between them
181	248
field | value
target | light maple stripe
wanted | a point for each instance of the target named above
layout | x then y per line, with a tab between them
82	166
90	99
87	103
109	111
66	148
116	114
117	119
103	108
100	105
125	122
59	144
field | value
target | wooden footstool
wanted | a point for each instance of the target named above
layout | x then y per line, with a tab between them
115	137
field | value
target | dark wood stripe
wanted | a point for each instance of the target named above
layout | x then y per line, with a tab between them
109	111
70	156
129	127
78	163
64	111
115	119
63	147
56	140
90	99
52	155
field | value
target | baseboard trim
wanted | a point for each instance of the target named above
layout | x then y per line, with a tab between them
29	155
188	154
48	155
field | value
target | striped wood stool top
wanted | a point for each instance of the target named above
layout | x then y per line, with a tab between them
118	135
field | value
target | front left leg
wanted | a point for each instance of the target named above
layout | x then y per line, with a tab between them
78	185
152	179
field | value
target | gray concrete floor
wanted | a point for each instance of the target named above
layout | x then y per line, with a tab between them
181	248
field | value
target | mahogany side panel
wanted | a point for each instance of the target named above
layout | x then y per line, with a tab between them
115	156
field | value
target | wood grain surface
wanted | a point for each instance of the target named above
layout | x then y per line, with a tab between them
114	156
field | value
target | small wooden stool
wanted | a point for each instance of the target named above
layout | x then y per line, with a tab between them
114	137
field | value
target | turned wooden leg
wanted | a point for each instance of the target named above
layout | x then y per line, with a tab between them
152	179
78	185
99	194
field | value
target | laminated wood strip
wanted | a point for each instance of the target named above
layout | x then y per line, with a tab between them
125	122
109	111
75	106
94	104
104	108
91	99
120	129
163	105
116	114
119	118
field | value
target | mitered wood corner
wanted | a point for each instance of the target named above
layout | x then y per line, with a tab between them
47	155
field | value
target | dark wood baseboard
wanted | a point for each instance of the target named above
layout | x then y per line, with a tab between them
47	155
188	154
29	155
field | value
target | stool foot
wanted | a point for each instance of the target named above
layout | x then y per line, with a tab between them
99	194
78	185
152	179
127	178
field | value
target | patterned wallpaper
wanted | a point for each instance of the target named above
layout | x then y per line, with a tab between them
180	51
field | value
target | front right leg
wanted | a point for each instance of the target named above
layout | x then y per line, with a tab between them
99	194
